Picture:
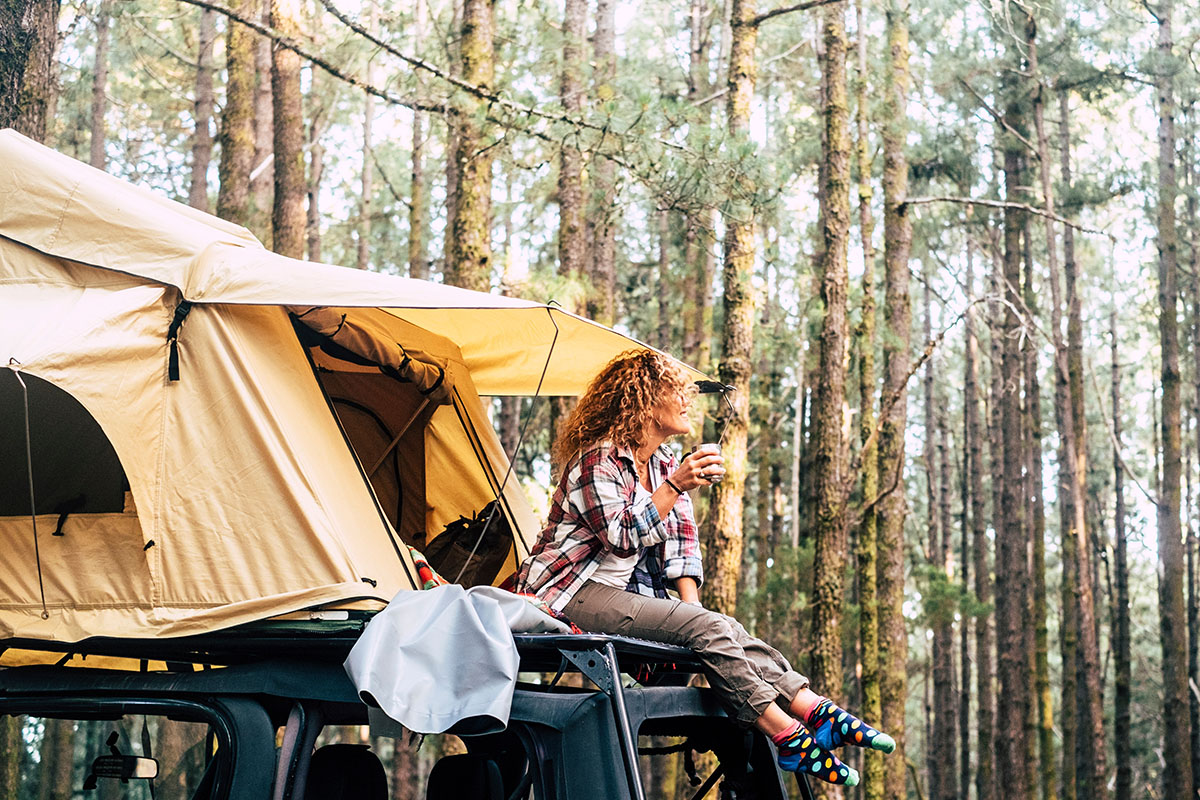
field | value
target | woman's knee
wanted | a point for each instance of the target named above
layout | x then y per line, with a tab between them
705	629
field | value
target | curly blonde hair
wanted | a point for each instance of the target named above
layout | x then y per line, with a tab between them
620	402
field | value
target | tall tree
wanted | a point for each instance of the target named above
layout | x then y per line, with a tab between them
699	250
1123	677
288	220
367	177
974	467
572	238
100	85
1092	760
418	258
262	177
601	220
237	120
893	507
1011	538
28	81
867	556
469	252
202	107
830	528
1045	707
1177	771
723	528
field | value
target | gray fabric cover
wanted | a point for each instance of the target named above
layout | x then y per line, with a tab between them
437	657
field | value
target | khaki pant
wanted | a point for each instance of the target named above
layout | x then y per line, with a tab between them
747	673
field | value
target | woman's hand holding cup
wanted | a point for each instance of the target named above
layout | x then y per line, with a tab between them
704	466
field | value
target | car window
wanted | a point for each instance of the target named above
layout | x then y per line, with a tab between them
74	758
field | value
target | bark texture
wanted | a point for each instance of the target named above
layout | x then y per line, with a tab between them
1177	771
867	555
237	121
572	239
893	636
202	107
830	528
469	253
1011	537
602	228
28	86
99	85
288	220
722	530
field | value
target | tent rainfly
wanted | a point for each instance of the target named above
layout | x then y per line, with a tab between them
219	434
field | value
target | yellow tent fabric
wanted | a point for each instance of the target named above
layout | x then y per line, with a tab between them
78	213
247	497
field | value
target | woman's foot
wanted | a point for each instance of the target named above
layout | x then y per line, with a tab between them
799	752
832	727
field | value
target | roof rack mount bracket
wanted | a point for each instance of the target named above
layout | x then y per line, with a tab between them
594	665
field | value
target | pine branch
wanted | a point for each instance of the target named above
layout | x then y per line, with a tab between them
885	408
475	90
761	18
912	201
288	43
999	118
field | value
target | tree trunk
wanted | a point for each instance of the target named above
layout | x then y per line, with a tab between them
367	191
58	753
1011	535
287	215
662	335
601	217
867	555
984	691
1092	760
470	251
316	170
10	757
237	121
28	74
1040	735
723	527
1177	772
893	636
1193	541
99	85
945	706
203	108
262	184
699	250
1123	681
418	258
830	528
572	238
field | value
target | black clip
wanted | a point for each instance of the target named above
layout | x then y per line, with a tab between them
181	312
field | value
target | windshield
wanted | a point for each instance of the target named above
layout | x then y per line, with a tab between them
61	757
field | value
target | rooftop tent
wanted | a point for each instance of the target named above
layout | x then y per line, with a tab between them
180	381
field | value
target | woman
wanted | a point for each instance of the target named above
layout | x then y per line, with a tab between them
621	528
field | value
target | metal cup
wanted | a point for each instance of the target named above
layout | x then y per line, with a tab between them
711	447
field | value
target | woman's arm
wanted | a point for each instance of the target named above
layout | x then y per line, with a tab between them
689	591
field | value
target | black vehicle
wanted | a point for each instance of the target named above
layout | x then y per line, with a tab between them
247	728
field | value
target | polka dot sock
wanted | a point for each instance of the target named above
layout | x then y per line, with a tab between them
832	727
798	752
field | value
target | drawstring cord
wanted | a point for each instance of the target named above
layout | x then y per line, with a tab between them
15	366
516	449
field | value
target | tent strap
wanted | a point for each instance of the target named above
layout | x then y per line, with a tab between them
181	312
15	366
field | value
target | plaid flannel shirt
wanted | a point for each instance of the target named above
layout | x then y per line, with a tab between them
595	512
